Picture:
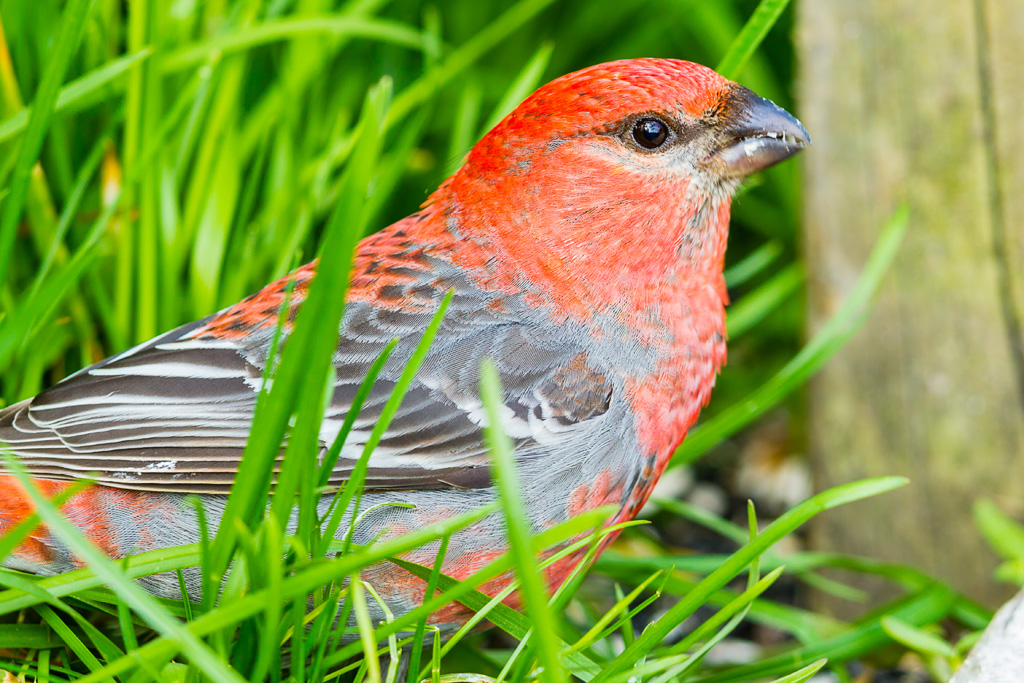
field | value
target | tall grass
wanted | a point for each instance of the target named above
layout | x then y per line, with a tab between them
163	159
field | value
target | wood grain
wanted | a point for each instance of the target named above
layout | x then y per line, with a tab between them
919	102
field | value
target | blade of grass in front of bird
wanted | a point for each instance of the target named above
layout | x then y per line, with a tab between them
302	452
331	459
823	346
268	646
573	582
186	604
310	345
353	491
69	583
14	535
421	627
140	601
366	634
322	634
63	48
748	40
517	525
101	642
392	648
465	591
305	580
504	617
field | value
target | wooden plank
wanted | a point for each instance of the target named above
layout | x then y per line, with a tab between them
919	102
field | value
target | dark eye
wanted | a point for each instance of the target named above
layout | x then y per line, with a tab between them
650	133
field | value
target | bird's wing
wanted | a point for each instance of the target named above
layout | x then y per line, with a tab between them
174	413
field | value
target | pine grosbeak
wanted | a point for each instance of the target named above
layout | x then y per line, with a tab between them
584	237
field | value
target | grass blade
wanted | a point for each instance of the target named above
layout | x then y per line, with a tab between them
754	31
64	45
534	594
77	92
784	525
311	343
141	602
526	82
758	304
293	28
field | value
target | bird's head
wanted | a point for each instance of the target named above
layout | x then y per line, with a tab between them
620	174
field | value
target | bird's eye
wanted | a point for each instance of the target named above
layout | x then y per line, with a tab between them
650	133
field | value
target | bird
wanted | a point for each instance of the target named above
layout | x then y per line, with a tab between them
583	239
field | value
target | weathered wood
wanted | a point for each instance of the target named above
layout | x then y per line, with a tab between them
921	102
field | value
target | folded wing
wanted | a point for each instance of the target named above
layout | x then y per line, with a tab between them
174	414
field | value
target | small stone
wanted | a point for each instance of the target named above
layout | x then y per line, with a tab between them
824	677
732	651
999	655
673	485
771	475
708	497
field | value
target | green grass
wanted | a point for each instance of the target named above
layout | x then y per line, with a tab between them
161	160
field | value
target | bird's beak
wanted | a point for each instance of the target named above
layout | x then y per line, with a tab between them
756	134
